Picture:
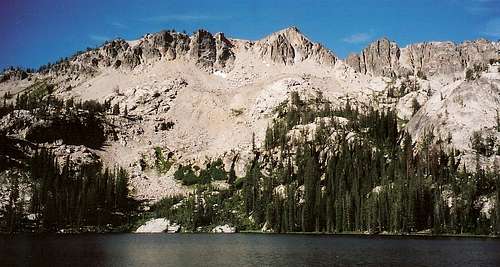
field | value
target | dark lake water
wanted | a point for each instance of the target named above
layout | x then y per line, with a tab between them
244	250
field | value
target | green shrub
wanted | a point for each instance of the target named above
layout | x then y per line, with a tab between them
216	170
162	164
186	175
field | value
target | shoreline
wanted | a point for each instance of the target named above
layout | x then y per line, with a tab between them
254	232
361	234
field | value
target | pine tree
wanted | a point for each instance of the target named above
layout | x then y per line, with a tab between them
269	140
496	170
116	109
415	105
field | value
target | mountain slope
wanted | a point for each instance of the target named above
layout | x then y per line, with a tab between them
216	92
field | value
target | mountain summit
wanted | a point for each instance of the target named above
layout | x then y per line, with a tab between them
289	46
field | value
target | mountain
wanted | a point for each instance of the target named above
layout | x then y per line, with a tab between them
197	82
169	102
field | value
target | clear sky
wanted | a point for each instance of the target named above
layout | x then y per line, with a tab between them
35	32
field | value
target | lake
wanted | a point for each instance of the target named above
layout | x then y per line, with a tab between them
244	250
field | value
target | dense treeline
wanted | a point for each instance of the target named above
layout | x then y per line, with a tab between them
205	208
360	175
61	194
72	129
368	177
67	196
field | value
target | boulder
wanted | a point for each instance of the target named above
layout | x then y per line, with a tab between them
226	229
154	226
173	228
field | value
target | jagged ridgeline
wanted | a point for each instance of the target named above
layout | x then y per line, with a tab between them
323	169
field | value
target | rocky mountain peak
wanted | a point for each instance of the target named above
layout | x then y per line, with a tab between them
289	46
290	32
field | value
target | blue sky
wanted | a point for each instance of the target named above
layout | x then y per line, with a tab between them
35	32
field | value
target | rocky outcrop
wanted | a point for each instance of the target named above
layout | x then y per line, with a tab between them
76	155
211	52
446	57
385	58
202	49
461	108
207	51
433	58
379	58
165	44
290	46
225	55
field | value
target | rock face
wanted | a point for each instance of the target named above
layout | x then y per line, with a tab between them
165	44
379	58
225	55
205	50
461	108
290	46
386	58
434	58
202	49
441	58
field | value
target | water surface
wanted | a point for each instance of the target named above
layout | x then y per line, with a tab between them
244	250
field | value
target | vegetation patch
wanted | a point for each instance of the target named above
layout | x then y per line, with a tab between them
162	164
214	171
70	197
236	112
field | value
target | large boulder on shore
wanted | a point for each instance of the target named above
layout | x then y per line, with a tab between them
225	229
159	225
